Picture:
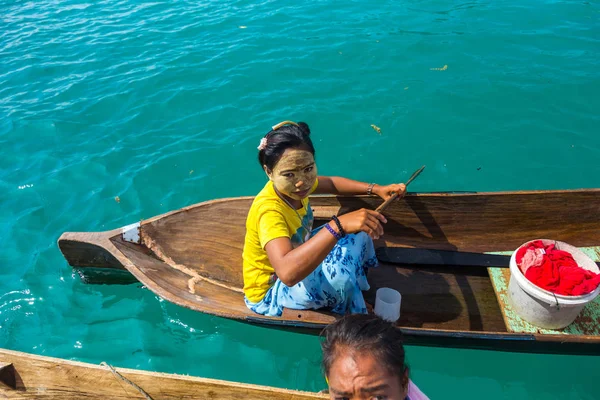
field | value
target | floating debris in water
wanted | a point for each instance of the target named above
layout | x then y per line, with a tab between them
191	171
376	128
406	88
25	187
445	67
117	199
478	168
242	26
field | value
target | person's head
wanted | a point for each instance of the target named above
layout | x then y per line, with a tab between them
287	155
363	358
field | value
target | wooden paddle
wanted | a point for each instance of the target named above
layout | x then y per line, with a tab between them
386	203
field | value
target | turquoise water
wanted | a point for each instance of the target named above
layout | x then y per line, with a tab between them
163	104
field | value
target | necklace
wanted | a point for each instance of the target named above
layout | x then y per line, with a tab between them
308	228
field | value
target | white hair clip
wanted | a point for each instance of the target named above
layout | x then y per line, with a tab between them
263	144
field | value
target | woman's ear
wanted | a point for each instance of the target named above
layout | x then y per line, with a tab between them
268	172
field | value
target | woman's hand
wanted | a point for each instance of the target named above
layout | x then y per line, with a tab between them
385	192
364	220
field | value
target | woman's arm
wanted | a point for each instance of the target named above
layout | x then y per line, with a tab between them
346	187
293	265
340	186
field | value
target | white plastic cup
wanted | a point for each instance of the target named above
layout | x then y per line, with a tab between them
387	304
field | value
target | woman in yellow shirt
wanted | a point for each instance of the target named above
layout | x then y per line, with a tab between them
286	263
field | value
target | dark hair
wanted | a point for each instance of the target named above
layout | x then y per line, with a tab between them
283	138
362	332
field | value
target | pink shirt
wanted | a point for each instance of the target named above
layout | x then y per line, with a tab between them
414	393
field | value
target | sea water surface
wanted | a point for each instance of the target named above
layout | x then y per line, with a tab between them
161	104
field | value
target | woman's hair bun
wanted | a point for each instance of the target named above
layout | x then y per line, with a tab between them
304	128
286	136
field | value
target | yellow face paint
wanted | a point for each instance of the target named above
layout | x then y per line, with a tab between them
294	174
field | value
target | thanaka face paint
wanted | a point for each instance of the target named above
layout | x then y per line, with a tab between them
294	174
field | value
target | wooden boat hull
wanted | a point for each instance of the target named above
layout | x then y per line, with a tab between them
27	376
192	257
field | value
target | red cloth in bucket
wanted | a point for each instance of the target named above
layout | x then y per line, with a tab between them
555	270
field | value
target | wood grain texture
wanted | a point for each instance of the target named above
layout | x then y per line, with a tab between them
89	249
193	256
586	324
44	377
482	222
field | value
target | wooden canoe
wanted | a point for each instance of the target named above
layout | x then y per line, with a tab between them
27	376
431	252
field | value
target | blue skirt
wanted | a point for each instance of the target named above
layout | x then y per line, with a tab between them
337	283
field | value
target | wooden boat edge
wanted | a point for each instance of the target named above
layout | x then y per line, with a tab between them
408	194
50	374
106	247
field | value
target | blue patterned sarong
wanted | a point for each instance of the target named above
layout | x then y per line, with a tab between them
335	284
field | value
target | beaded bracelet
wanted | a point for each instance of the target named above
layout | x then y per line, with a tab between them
336	235
370	189
339	225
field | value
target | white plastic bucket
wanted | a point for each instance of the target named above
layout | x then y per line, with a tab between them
387	304
541	307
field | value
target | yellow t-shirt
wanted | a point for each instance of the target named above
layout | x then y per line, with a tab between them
270	218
